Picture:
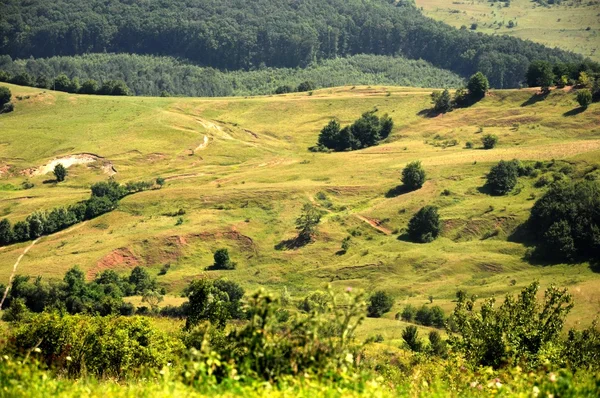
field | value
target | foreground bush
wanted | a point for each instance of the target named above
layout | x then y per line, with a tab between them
107	347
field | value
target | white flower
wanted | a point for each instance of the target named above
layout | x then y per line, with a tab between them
68	358
349	357
536	391
552	377
37	349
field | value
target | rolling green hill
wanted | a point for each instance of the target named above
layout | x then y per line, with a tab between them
240	169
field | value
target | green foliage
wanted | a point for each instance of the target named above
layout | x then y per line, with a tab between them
408	313
6	232
410	335
141	280
306	86
60	172
520	331
213	301
442	102
222	260
540	73
437	346
489	141
104	347
307	222
584	98
413	176
5	95
379	303
502	177
478	85
566	221
425	225
367	131
430	316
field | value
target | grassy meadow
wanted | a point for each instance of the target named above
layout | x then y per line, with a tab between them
243	186
572	25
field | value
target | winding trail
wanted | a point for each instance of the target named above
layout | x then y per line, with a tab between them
374	223
15	270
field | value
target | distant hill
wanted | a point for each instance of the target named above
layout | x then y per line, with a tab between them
236	34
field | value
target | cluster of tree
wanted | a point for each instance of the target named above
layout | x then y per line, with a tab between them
367	131
102	296
161	76
63	83
104	198
476	88
560	74
241	35
436	347
426	316
566	222
215	301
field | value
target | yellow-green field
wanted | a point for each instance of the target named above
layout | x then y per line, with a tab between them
572	25
244	186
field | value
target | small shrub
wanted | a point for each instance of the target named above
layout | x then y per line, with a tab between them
584	98
410	335
469	145
413	176
502	178
379	303
489	141
408	313
222	260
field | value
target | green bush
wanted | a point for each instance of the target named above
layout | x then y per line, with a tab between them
584	98
222	260
413	176
5	95
60	172
379	303
408	313
520	331
410	335
425	225
489	141
566	222
502	177
103	347
478	85
442	102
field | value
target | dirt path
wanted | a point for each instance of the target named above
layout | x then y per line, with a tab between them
15	270
203	145
374	223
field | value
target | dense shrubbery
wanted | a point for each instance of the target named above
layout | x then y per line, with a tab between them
566	221
425	225
520	331
545	74
5	105
364	132
105	197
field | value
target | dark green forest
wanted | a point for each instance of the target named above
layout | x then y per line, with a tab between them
245	35
153	75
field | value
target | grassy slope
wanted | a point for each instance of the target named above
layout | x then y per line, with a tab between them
563	26
244	190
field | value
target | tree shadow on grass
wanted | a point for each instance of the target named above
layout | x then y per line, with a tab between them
405	237
574	112
292	244
537	97
397	191
50	182
430	112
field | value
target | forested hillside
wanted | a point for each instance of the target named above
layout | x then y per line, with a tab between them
154	75
236	34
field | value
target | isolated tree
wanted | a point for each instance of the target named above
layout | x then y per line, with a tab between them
306	223
60	172
502	177
478	85
379	303
584	98
425	225
442	102
489	141
6	232
413	175
410	335
222	260
5	95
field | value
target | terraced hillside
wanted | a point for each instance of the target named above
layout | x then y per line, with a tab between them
241	171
